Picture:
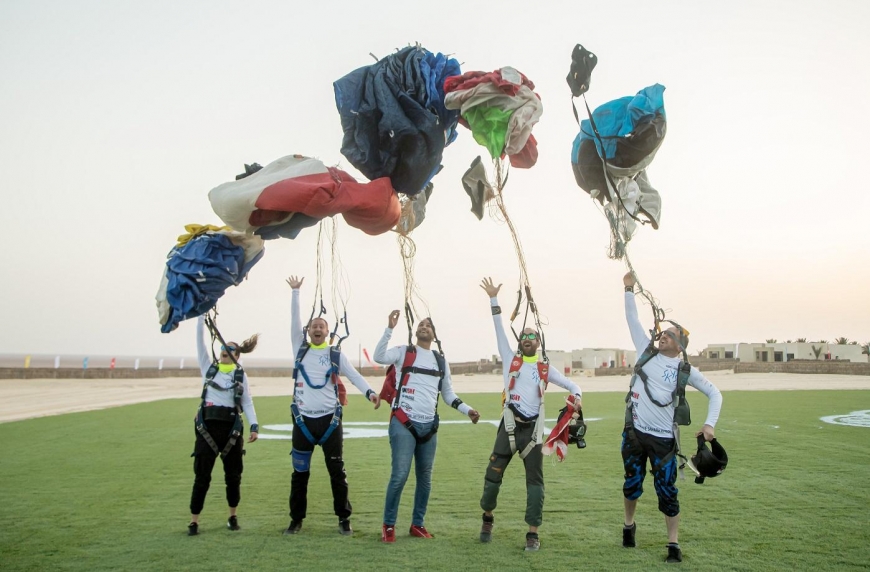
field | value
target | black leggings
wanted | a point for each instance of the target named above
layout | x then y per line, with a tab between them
332	452
203	462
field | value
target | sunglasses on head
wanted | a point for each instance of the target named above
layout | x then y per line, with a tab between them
232	349
529	336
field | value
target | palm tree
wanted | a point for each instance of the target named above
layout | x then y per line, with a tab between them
823	341
841	341
853	343
866	349
770	341
788	341
801	340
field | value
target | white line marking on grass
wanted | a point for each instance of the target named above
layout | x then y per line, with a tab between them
362	429
853	419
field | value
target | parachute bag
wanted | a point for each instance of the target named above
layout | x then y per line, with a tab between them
388	390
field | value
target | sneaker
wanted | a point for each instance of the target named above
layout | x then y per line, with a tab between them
419	532
388	533
294	528
674	553
486	528
233	523
628	535
344	527
532	542
192	529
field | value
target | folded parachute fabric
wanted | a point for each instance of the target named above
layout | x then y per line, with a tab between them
394	119
198	272
500	108
194	230
295	192
632	130
477	187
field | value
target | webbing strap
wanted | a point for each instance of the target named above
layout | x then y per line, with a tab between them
406	422
231	442
300	422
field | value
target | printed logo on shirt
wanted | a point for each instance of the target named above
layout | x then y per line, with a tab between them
323	360
515	397
670	375
300	384
635	395
408	390
209	403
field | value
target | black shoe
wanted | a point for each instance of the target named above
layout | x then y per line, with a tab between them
486	528
233	523
532	542
192	529
628	535
343	527
674	553
294	528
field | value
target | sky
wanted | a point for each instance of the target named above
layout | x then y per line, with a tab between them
119	117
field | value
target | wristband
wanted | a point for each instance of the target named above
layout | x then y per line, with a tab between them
456	403
369	394
255	428
629	289
496	310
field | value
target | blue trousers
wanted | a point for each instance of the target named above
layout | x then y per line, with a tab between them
405	449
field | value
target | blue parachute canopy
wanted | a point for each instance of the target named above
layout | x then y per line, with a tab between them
199	272
620	118
393	116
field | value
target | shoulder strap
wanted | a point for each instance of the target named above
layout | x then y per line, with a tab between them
300	355
649	353
335	362
439	359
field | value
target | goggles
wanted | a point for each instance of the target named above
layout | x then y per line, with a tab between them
529	336
232	349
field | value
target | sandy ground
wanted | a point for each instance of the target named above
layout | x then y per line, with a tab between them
25	399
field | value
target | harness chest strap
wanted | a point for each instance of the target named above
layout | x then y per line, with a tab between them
331	375
238	389
510	424
402	380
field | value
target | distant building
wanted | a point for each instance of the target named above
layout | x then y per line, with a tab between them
782	352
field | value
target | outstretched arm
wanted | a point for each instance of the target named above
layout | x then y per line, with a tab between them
504	348
346	369
638	334
297	336
202	353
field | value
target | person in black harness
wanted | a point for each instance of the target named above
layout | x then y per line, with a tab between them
655	407
423	374
317	413
218	423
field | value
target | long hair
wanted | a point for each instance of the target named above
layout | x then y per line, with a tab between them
248	345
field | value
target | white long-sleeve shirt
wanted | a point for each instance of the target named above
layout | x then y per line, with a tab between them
420	396
310	401
662	372
214	396
525	395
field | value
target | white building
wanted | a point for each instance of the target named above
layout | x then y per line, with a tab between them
781	352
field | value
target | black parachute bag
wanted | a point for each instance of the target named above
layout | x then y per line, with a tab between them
580	75
709	463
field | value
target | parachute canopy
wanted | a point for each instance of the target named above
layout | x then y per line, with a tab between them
204	263
295	192
500	108
394	119
631	129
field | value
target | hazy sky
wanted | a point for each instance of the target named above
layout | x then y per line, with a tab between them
119	117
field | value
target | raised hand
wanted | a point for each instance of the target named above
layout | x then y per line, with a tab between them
490	289
295	282
393	319
629	279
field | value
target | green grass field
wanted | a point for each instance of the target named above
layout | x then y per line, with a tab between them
109	490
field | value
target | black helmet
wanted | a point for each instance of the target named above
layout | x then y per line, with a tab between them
708	463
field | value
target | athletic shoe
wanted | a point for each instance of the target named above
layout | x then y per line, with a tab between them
233	523
532	542
674	553
192	529
344	527
628	535
419	532
486	528
388	533
294	528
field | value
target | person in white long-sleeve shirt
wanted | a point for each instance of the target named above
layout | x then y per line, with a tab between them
649	435
523	404
316	399
414	421
216	419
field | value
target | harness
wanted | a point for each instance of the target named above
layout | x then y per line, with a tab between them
331	376
682	415
238	389
510	412
402	380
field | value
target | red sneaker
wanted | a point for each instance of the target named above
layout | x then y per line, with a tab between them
388	533
419	532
